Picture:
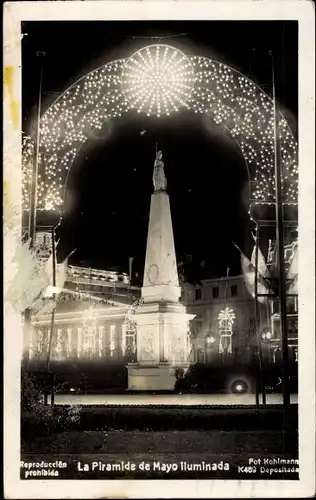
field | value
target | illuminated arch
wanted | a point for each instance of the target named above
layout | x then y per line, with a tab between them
212	88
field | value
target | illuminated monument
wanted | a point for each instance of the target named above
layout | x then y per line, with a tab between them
162	322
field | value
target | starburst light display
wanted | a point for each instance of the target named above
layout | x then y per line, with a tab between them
158	80
200	84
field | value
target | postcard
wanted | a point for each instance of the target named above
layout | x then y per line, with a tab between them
159	268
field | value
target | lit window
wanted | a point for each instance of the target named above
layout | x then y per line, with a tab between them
37	344
69	342
59	345
79	341
88	340
112	339
101	340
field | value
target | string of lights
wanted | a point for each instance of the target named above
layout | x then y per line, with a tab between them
159	80
130	323
226	320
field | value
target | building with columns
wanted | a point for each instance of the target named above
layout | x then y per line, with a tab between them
94	320
94	317
91	319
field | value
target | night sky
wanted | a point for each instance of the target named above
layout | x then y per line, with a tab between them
109	187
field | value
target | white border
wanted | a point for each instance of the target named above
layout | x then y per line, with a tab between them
16	12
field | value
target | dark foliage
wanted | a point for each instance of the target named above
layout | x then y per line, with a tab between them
162	418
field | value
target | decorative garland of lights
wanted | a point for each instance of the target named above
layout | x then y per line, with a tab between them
226	320
159	85
129	321
189	341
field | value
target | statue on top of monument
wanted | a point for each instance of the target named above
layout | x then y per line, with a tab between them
159	178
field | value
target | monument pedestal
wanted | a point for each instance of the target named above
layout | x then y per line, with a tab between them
162	346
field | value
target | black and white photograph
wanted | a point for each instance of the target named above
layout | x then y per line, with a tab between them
158	249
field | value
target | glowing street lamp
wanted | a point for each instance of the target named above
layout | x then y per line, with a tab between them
266	335
210	340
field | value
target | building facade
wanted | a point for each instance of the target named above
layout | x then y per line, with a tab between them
91	320
94	319
209	301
